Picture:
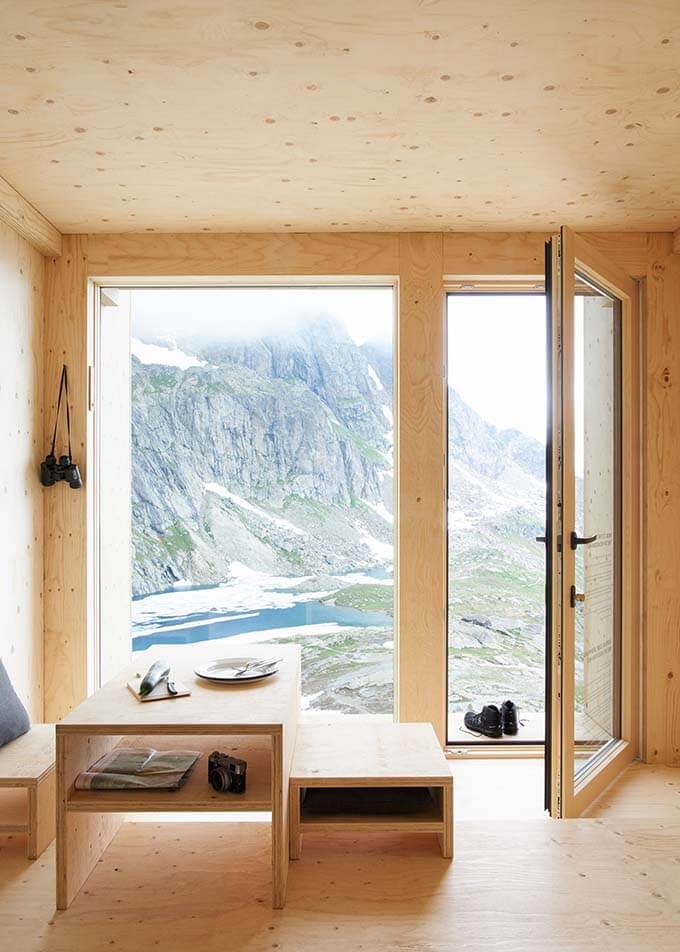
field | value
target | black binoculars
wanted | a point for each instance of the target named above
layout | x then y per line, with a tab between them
53	471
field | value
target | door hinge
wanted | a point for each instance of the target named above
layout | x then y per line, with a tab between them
90	388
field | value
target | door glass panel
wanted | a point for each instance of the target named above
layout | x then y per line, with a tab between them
597	701
496	509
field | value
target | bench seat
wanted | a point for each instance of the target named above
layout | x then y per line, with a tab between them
370	775
27	787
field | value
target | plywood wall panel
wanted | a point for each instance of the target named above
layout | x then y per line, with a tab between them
662	518
21	390
632	251
502	254
66	523
244	255
519	254
421	484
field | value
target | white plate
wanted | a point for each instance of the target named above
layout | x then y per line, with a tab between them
223	670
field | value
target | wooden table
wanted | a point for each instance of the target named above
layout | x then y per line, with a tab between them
257	722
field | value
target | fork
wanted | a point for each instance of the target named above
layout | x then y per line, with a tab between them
264	663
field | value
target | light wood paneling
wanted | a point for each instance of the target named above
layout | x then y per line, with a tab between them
395	115
502	254
662	516
65	513
243	255
21	501
16	212
521	254
421	485
631	251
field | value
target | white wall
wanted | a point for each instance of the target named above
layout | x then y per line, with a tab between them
112	414
21	501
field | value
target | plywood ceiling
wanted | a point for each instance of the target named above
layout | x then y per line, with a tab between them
363	114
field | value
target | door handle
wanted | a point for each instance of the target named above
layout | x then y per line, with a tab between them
541	538
577	540
575	596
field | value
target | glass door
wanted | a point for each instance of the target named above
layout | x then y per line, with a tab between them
593	520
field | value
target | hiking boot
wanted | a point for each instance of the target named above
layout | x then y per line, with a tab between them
509	717
487	722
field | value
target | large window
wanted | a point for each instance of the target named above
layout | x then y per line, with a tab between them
262	479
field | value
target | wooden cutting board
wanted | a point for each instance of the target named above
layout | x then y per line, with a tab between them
160	692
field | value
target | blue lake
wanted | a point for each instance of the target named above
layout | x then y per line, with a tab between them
209	625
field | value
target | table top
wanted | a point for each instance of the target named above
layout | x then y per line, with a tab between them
361	751
255	707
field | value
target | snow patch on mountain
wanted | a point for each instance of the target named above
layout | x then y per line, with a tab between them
249	507
377	382
170	356
381	550
381	509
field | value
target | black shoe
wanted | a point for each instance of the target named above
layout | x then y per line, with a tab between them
488	722
509	717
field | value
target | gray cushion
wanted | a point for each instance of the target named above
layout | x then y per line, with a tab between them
13	717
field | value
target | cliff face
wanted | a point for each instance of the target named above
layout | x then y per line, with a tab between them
274	453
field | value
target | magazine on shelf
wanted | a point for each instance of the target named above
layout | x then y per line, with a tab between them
135	768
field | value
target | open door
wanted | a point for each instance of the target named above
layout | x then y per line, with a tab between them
593	515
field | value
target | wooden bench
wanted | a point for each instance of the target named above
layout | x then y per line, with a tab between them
27	788
362	775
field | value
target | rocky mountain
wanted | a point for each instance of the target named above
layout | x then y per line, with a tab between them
274	452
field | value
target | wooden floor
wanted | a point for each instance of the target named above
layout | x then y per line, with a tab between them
520	882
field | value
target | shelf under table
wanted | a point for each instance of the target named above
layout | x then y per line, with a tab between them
408	808
196	796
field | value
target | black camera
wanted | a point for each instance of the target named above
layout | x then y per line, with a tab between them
52	472
226	774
